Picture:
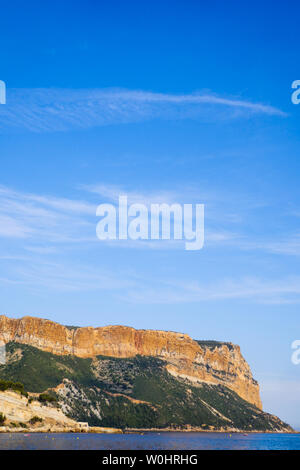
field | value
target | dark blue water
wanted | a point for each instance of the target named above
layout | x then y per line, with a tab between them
150	441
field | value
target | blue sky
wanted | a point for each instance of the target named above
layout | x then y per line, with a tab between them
185	102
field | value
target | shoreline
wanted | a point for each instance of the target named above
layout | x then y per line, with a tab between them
59	430
198	430
100	430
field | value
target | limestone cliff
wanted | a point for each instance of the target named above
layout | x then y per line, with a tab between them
215	363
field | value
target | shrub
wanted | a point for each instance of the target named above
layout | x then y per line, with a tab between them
35	419
15	386
47	398
2	419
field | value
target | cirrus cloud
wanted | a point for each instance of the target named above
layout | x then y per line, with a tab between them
54	110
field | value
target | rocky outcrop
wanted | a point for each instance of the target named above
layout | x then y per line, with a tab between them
196	361
18	409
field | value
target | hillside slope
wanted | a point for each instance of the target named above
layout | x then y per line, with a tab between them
18	409
136	392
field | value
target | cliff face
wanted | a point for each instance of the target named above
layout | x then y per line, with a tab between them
215	363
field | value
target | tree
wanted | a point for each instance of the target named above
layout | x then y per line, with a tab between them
2	419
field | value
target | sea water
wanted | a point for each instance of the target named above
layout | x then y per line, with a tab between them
150	441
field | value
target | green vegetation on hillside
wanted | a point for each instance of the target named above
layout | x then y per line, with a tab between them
47	398
39	370
14	386
134	392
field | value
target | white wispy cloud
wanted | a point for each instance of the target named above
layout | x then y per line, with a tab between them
42	227
147	197
68	276
40	270
61	204
266	291
49	220
12	228
47	110
285	245
45	219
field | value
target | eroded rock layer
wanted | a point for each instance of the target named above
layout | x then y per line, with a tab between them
197	361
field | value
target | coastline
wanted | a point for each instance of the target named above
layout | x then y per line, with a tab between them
103	430
197	430
59	430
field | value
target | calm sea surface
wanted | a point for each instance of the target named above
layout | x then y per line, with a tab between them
150	441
